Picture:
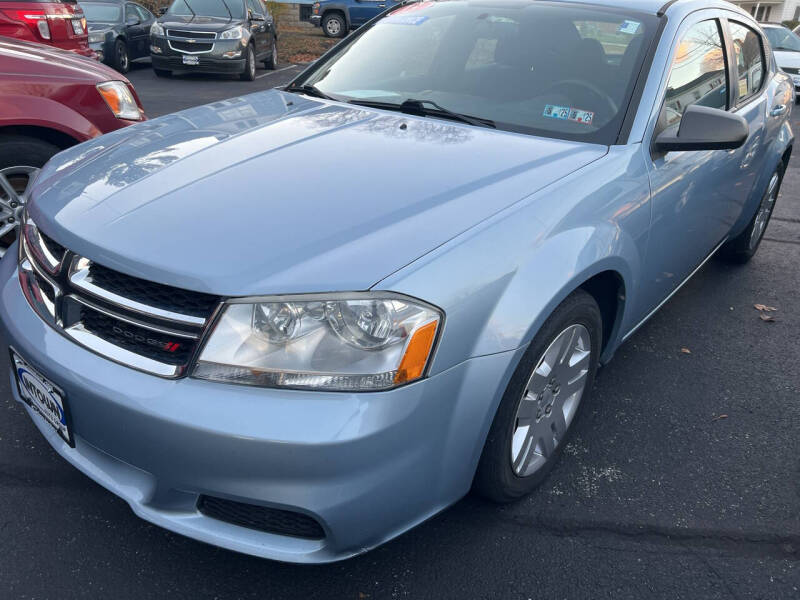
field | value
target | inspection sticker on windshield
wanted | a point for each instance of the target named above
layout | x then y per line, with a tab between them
405	19
630	27
557	112
581	116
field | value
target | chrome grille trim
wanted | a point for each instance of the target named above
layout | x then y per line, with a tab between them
189	34
79	278
131	321
61	301
120	355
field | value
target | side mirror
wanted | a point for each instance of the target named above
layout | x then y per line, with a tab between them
257	17
704	128
162	11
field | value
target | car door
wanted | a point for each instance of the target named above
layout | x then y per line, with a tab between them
258	28
362	11
147	20
696	195
134	31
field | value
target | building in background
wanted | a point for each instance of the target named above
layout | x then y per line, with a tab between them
774	11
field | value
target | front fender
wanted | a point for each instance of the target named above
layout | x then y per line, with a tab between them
498	282
39	111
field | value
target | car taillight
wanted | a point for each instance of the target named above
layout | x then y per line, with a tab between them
78	26
35	19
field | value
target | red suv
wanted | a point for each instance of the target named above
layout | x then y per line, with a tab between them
54	22
49	100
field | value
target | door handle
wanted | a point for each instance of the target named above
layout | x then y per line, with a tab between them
779	110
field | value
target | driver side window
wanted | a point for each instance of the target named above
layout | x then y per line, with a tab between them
698	75
255	8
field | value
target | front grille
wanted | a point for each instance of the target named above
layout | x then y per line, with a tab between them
194	35
167	349
141	324
165	297
190	47
261	518
56	249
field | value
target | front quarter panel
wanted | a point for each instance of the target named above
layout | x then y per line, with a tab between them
498	282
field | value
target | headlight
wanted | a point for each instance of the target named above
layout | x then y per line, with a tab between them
120	100
97	37
232	34
342	342
156	29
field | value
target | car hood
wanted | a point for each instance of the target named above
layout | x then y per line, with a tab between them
199	23
278	193
18	57
787	59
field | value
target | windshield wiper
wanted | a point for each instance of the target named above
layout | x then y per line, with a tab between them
417	107
308	90
230	15
194	14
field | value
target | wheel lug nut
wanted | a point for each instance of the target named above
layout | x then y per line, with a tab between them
11	219
14	205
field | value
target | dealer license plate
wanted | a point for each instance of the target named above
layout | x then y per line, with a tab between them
191	60
43	396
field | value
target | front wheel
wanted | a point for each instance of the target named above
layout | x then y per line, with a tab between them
21	157
744	246
540	404
122	61
333	25
249	73
272	60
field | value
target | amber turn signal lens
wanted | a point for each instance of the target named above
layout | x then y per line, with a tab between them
111	97
416	356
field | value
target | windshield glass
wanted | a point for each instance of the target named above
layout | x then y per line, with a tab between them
781	38
97	12
535	67
208	8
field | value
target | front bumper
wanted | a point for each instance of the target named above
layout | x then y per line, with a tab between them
204	64
366	466
315	20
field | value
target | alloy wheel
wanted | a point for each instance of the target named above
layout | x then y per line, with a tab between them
550	399
122	57
764	211
251	63
15	184
274	54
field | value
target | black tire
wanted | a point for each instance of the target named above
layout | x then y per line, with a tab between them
121	58
162	73
249	73
743	247
334	25
495	478
272	60
22	151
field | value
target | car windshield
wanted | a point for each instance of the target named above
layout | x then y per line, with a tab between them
782	39
208	8
97	12
544	68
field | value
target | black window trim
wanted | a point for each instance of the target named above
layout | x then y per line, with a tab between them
766	69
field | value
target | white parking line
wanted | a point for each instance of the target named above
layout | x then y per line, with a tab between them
275	71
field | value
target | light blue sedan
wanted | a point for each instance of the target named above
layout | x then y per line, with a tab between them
298	323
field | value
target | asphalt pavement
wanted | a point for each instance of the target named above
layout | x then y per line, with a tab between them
682	481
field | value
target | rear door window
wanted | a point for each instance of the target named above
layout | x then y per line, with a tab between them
747	46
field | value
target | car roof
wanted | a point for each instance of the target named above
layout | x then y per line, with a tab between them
654	7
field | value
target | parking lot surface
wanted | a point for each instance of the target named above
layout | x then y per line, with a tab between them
682	479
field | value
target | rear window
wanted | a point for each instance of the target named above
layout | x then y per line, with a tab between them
232	9
782	39
98	12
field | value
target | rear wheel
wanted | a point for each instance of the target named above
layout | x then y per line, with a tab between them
542	400
333	25
122	61
21	157
249	73
744	246
162	73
